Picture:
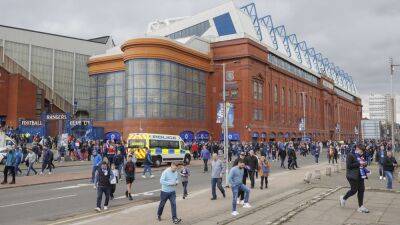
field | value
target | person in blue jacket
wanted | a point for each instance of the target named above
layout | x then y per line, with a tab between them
147	164
96	161
10	163
18	160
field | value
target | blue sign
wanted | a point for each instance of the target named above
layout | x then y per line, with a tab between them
187	135
263	135
113	135
255	135
232	136
202	135
272	135
286	135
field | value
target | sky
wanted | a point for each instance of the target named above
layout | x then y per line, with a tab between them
357	35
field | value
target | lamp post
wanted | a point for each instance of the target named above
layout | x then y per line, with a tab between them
392	66
225	123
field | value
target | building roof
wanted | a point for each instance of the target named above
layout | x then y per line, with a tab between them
100	40
228	21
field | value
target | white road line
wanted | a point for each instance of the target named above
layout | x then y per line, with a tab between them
40	200
72	187
146	193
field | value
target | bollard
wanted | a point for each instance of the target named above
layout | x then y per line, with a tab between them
328	171
318	174
307	177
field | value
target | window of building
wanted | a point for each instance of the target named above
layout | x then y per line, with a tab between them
283	97
290	98
276	94
258	114
257	89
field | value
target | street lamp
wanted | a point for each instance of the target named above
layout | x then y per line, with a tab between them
392	66
225	124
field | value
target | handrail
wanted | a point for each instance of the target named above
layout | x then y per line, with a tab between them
13	67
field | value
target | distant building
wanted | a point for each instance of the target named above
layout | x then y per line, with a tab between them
55	64
380	108
371	129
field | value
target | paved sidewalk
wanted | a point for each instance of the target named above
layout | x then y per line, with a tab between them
288	200
22	181
57	164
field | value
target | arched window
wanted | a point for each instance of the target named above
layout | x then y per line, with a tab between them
276	94
283	96
290	98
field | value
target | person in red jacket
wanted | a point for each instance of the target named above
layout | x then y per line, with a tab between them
195	150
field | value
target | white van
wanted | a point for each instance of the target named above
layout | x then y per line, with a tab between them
5	142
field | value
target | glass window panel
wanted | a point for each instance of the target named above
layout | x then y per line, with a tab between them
196	89
139	81
182	99
182	72
153	110
189	100
165	68
174	97
174	83
101	115
139	66
139	110
173	111
109	114
109	103
153	66
119	90
153	81
110	79
174	69
101	103
165	82
165	97
153	95
189	86
129	82
110	91
101	91
118	114
118	102
119	78
182	84
195	75
139	95
129	96
181	112
129	111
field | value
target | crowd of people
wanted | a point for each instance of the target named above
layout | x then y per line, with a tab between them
247	161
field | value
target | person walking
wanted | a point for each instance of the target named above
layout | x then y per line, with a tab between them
389	163
119	163
252	167
354	165
31	159
217	170
331	153
96	161
18	161
205	155
9	167
113	180
185	173
265	167
129	177
46	161
282	155
103	185
235	178
379	158
147	163
168	181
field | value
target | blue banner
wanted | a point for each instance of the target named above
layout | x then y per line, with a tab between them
232	136
187	136
113	135
202	135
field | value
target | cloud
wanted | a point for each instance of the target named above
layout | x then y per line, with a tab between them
358	35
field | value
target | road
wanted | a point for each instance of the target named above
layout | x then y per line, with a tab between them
41	204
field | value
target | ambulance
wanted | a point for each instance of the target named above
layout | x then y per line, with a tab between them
164	148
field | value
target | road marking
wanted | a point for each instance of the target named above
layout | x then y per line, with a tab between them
147	193
72	187
40	200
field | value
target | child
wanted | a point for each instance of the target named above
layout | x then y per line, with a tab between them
113	180
265	168
363	170
185	173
